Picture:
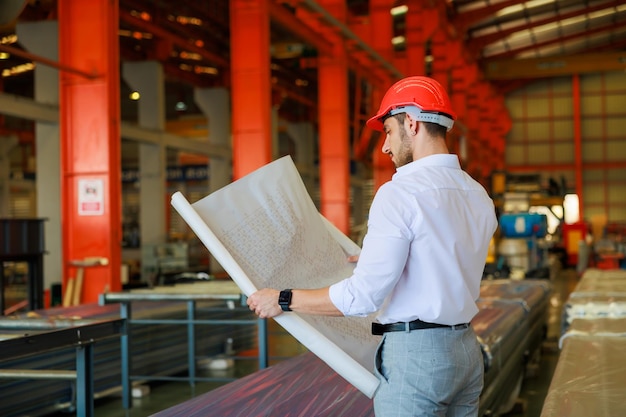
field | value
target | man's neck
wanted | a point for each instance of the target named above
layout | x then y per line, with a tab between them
427	146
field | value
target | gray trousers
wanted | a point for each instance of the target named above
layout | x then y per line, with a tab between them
429	372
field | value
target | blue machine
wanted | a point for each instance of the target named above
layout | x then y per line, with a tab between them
521	244
523	224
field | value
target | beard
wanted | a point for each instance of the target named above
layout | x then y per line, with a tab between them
405	153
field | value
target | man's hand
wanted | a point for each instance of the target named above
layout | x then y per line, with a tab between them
264	303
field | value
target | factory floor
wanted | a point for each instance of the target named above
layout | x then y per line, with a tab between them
283	346
535	385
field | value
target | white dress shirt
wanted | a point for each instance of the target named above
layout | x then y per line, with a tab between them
425	249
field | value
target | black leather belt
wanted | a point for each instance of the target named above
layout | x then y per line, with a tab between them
379	329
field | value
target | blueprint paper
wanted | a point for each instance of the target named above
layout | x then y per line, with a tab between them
265	231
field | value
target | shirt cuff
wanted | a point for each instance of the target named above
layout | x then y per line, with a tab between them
342	298
336	293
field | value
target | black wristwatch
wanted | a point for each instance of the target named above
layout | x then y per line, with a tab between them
284	300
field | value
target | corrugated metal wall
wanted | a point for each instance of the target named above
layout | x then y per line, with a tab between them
542	137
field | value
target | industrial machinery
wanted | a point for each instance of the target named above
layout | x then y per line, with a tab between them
522	242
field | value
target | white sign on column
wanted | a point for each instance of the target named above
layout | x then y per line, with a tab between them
90	197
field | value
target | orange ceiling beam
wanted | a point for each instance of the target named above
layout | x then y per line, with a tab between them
289	21
515	69
49	62
160	32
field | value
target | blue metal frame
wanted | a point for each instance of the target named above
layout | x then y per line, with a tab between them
83	337
125	300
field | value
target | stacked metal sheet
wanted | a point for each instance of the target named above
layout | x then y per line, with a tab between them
598	294
305	385
590	376
156	350
533	295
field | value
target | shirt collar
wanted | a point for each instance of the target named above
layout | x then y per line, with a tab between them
439	160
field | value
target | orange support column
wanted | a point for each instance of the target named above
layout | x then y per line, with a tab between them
472	123
503	125
382	165
333	141
485	112
464	75
90	147
421	24
578	158
334	127
251	85
382	29
445	53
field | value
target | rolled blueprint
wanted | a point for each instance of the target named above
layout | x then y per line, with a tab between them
266	232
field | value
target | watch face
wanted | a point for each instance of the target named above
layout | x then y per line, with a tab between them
284	299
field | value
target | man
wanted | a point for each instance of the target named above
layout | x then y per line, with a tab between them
420	267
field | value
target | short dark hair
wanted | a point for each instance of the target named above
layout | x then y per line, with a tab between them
433	129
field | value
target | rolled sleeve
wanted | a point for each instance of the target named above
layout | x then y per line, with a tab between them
341	296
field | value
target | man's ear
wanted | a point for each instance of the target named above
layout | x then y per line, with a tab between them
412	123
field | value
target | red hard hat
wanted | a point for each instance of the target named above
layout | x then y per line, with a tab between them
424	93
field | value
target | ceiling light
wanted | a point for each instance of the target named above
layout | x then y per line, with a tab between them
185	20
8	39
199	69
398	40
181	106
524	6
18	69
601	13
509	10
134	95
190	55
141	15
134	34
399	10
4	55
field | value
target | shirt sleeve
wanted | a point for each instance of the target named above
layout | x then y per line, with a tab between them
383	256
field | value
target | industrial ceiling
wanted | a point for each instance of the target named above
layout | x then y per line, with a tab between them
511	41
